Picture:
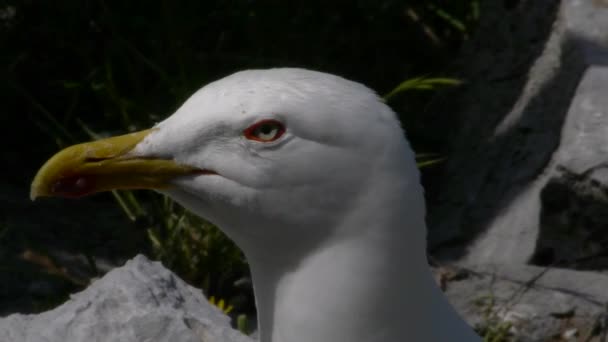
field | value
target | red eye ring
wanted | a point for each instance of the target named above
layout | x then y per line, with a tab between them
265	131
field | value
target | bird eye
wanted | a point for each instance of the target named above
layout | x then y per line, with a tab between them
265	131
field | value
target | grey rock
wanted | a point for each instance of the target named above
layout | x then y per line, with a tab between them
586	21
532	303
544	218
520	78
141	301
524	175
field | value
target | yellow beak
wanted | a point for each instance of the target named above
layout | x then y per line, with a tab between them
104	165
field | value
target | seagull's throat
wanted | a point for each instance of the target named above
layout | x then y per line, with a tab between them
339	293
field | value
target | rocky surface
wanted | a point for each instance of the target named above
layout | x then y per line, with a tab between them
141	301
530	303
527	179
519	182
574	197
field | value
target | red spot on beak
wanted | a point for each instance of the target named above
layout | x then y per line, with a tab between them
73	186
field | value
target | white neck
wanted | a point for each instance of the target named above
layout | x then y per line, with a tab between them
370	282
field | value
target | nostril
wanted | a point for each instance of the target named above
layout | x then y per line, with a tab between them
204	172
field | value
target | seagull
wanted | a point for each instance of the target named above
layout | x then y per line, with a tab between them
311	175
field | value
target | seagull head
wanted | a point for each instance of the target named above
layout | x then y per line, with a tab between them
264	154
312	177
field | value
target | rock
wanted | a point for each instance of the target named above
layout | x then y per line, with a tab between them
519	186
141	301
532	303
587	23
559	216
512	111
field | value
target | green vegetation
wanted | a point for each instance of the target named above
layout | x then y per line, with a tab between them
421	83
493	328
78	70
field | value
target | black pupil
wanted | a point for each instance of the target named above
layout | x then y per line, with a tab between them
266	129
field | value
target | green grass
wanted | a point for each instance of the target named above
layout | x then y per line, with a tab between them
422	83
492	328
